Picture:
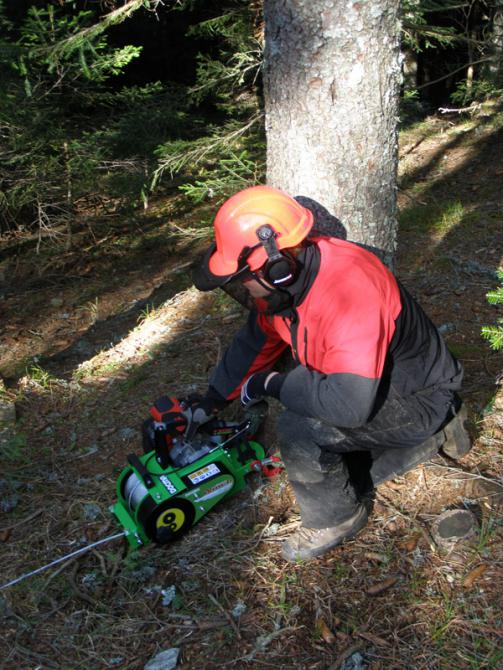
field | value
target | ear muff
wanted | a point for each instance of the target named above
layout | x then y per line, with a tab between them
281	268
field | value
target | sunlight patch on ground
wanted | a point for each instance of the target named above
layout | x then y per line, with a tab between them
156	329
450	218
441	147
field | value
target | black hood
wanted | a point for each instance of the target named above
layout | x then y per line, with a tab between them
309	263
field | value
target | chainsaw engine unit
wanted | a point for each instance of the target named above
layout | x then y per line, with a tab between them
164	492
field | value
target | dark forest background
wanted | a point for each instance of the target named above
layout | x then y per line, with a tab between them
108	104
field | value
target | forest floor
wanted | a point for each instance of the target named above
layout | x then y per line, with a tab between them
93	333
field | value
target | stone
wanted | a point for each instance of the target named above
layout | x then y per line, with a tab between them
7	413
5	610
238	610
168	595
90	581
84	348
143	574
91	511
164	660
447	328
8	503
354	662
128	434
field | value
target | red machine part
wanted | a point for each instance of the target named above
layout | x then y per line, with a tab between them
169	411
270	467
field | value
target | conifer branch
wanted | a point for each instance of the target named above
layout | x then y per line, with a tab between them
449	74
70	44
179	160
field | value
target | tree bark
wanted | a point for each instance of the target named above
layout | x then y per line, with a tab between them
331	83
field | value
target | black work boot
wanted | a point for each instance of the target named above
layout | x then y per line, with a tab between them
307	543
457	442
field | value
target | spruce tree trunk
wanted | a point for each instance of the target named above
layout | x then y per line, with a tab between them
331	82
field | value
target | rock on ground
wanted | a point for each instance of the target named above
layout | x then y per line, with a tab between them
164	660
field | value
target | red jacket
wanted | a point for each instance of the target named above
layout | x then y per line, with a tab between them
351	328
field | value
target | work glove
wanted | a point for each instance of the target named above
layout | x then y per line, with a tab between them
259	385
202	408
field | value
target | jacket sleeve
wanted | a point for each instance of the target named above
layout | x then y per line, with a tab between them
340	399
255	347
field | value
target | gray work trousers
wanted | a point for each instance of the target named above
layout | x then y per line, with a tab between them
332	469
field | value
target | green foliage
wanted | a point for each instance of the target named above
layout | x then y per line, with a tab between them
239	58
475	91
46	68
217	159
494	333
465	35
50	93
230	156
417	34
228	175
79	38
411	109
68	135
40	377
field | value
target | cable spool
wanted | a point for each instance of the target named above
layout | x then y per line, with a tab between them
134	491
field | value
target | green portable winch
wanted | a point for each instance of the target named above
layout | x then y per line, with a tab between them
187	468
168	489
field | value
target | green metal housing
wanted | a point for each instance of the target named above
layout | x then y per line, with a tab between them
179	497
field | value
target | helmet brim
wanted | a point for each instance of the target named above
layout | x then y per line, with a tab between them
205	280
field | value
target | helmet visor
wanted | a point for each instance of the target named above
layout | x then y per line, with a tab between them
206	280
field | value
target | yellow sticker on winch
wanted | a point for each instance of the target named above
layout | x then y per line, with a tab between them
172	518
204	473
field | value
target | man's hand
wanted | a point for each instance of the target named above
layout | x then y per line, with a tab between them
256	387
203	408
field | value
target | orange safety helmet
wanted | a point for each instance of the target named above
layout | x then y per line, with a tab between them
237	244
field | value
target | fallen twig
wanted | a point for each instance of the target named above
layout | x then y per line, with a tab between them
373	639
460	110
102	562
57	572
466	475
22	521
83	596
258	541
473	575
226	614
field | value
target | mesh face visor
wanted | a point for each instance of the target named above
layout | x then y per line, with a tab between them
238	292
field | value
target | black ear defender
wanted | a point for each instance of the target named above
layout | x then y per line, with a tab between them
281	268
